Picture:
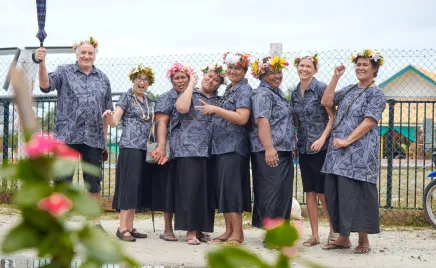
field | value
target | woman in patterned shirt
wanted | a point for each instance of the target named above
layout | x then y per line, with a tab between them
195	211
231	149
272	143
314	123
132	192
352	164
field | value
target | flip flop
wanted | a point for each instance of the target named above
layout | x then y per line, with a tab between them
217	241
234	242
204	238
193	242
332	238
165	237
366	250
311	242
333	247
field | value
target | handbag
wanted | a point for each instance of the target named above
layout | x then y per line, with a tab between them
152	145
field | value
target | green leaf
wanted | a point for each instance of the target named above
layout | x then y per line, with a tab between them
90	264
82	203
42	221
21	237
283	261
91	169
31	193
64	167
233	257
8	171
107	252
282	236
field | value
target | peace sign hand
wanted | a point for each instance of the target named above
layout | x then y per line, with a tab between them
206	108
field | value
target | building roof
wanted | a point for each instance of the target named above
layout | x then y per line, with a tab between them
427	75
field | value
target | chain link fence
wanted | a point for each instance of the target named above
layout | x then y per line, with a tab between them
407	129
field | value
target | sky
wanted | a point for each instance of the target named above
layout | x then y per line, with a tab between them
142	28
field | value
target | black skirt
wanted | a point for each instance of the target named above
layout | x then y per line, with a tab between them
163	186
231	175
352	205
272	187
132	181
194	208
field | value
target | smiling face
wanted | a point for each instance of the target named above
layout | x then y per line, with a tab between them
273	78
85	55
235	73
180	81
306	69
211	81
365	71
140	84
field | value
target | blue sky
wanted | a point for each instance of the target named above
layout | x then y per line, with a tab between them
134	28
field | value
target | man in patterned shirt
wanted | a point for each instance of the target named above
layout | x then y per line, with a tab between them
83	94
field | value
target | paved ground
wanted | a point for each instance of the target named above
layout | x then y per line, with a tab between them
394	247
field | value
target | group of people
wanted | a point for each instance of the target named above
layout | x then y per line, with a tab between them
212	139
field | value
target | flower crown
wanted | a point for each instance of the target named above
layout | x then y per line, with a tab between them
91	41
142	70
261	66
178	67
374	56
313	58
240	59
216	68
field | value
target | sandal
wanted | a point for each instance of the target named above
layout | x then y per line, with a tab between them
332	237
217	241
127	238
311	242
204	238
137	234
165	236
362	250
333	247
193	241
234	242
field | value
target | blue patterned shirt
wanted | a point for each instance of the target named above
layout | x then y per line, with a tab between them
360	160
81	101
228	137
311	116
195	134
271	104
166	105
135	128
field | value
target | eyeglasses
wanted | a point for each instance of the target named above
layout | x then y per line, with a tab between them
141	79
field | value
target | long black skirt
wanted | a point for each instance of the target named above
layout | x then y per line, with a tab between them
231	175
163	187
132	181
353	205
272	187
194	209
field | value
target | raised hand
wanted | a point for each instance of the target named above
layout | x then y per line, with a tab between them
40	54
339	70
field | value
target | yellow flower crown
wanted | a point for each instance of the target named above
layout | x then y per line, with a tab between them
313	58
374	56
261	66
140	70
91	41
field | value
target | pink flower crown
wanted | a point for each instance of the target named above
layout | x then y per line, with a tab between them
91	41
179	67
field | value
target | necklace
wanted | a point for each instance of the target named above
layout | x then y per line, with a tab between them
351	103
142	110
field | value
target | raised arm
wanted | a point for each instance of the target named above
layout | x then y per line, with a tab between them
44	83
329	93
183	103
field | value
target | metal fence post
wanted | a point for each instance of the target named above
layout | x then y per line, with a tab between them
390	145
5	130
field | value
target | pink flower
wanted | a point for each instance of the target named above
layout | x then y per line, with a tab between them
45	143
270	223
56	204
